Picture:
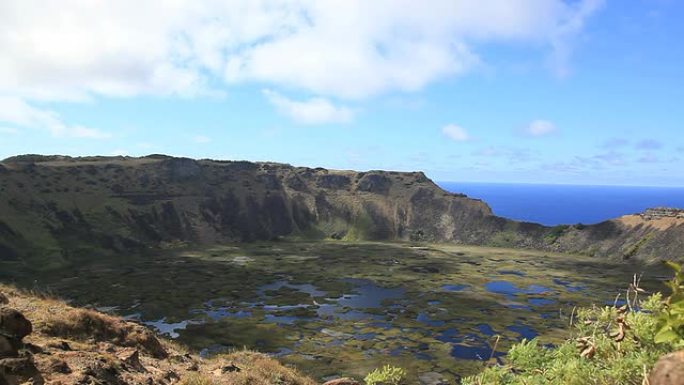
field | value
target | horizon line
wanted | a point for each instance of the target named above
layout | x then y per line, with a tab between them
559	184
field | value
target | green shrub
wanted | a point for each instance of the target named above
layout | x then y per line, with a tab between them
671	319
388	375
610	345
555	232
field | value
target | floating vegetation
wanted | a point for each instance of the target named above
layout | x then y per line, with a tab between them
336	308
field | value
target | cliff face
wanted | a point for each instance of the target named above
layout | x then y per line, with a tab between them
639	237
56	210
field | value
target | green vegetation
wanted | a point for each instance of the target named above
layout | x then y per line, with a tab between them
506	238
610	345
388	375
555	232
226	296
360	229
670	321
634	249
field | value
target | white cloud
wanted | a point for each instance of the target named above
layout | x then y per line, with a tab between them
355	49
562	37
201	139
72	49
540	127
17	112
312	111
456	133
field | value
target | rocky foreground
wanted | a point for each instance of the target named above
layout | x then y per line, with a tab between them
46	341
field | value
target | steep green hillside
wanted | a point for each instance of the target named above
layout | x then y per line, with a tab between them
55	210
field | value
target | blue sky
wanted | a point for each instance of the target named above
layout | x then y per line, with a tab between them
532	91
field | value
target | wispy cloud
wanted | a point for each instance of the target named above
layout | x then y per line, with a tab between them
615	143
649	158
456	133
420	157
17	112
201	139
539	128
312	111
611	157
581	164
511	154
649	144
563	38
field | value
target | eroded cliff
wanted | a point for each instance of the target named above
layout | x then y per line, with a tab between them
56	210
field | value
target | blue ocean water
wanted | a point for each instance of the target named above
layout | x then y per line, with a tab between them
567	204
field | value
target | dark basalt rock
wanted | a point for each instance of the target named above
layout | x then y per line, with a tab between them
20	370
296	183
16	361
9	347
270	181
13	324
131	358
59	366
182	168
333	181
375	183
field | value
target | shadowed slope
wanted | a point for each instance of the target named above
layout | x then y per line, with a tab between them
56	210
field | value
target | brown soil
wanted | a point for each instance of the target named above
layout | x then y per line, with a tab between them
78	346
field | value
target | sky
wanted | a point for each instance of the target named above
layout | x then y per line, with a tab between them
508	91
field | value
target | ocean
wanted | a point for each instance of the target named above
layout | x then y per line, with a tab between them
567	204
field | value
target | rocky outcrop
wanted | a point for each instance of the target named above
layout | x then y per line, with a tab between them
373	182
662	212
16	361
13	324
669	370
96	354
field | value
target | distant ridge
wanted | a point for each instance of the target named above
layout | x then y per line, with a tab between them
57	210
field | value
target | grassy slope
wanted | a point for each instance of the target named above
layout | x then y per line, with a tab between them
74	344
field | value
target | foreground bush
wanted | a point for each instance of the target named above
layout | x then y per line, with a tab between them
609	345
388	375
